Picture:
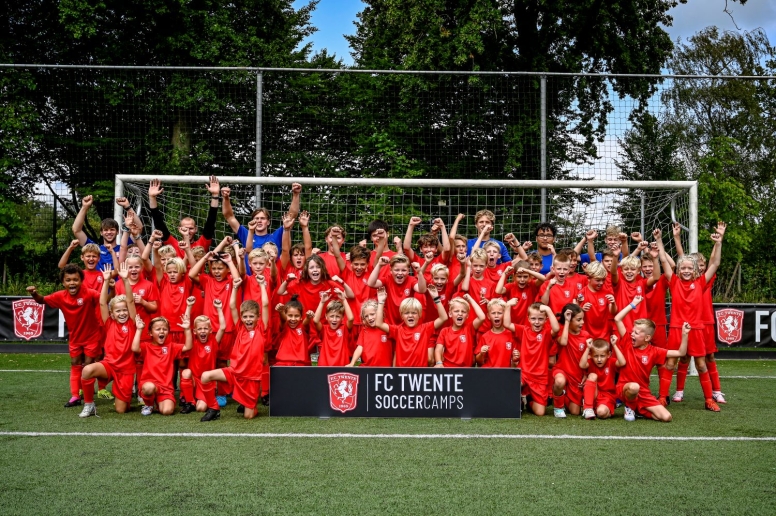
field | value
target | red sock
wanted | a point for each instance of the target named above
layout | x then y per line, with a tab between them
714	375
681	375
102	383
75	379
265	381
589	395
209	390
559	401
187	389
665	375
705	384
88	386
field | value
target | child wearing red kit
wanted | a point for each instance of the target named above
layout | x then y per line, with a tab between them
687	286
374	348
78	305
524	290
293	342
414	347
118	365
497	347
535	340
247	361
567	375
597	301
399	285
159	358
455	343
600	398
335	336
656	295
202	358
640	358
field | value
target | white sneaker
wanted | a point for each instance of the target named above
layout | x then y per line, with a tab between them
678	397
88	410
719	397
146	410
588	413
629	414
559	413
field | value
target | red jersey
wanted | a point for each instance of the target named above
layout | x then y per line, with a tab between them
656	301
430	312
500	346
172	298
494	273
606	374
459	344
377	348
560	295
118	346
624	292
598	317
534	349
639	364
687	301
202	357
158	363
579	281
420	260
79	312
147	291
570	354
93	279
331	263
387	253
362	292
525	297
293	345
482	288
708	303
396	294
412	344
199	242
334	350
310	295
218	290
247	359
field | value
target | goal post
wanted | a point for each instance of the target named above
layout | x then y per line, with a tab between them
573	206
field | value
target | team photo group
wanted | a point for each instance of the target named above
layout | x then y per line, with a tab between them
150	313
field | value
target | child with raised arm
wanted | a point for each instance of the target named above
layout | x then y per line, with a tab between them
335	336
292	257
118	364
414	347
202	358
640	358
687	286
247	361
399	285
109	231
599	394
428	245
497	347
480	287
627	283
534	340
567	374
656	294
455	343
374	348
314	280
597	301
524	289
293	343
485	221
78	305
378	232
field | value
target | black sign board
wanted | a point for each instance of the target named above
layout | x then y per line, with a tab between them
394	392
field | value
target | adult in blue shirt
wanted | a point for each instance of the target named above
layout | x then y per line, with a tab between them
545	242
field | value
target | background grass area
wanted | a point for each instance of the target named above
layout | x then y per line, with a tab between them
239	475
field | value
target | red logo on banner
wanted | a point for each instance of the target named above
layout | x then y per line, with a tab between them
343	391
27	318
730	323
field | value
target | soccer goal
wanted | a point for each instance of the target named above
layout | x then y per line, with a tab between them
572	206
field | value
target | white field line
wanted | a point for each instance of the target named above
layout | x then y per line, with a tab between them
386	436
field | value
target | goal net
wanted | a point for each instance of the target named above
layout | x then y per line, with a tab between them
572	206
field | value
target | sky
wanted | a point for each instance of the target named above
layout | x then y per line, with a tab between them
334	19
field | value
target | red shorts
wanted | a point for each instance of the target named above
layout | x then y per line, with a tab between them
290	363
536	388
90	349
244	391
643	401
200	389
163	392
659	338
710	339
573	392
122	382
696	347
607	399
225	346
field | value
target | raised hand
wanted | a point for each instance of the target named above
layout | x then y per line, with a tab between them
123	202
567	315
304	221
296	188
382	295
237	281
288	221
226	192
527	245
87	201
139	324
591	234
432	290
325	295
123	270
589	343
185	323
156	235
191	301
106	271
721	227
613	340
676	229
637	300
415	221
636	236
155	188
338	279
218	304
657	234
74	244
214	187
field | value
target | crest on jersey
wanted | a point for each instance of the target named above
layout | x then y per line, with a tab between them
692	286
567	293
180	289
509	346
500	272
579	286
524	296
606	370
141	291
124	329
79	301
644	359
299	331
383	338
406	292
164	350
339	332
601	301
638	289
417	336
343	391
581	346
207	349
462	338
99	279
730	323
27	318
252	333
539	337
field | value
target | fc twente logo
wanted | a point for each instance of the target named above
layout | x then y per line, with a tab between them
343	391
27	319
730	323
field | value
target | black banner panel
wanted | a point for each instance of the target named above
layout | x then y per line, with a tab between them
394	392
22	319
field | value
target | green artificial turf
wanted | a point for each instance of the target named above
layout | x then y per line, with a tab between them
359	475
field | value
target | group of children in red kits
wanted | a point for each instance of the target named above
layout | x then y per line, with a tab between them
451	302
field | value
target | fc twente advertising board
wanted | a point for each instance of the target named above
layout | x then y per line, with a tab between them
394	392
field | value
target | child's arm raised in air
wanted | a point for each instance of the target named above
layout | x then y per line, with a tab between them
104	296
345	287
249	238
441	314
227	259
155	245
508	324
477	309
80	219
614	270
337	252
486	229
716	252
382	296
551	319
66	255
464	268
349	317
682	351
668	270
239	253
325	295
500	286
140	325
307	240
199	266
124	277
407	244
296	199
546	296
185	324
676	229
563	340
620	357
285	250
227	211
236	282
264	301
420	286
454	229
465	264
583	360
373	281
621	315
447	247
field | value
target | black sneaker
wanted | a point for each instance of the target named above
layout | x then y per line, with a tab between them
187	408
211	415
240	409
265	400
73	402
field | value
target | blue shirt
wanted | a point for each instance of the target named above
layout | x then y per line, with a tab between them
276	237
105	257
546	263
504	251
585	258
